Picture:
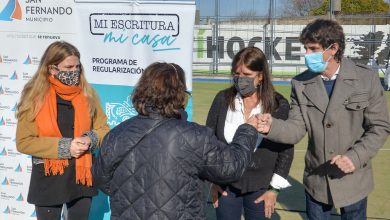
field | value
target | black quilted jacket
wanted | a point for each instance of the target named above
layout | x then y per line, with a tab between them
161	177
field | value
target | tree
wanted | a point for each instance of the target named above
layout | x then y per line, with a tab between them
354	7
367	45
300	7
246	14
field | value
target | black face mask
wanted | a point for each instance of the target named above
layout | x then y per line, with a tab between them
244	85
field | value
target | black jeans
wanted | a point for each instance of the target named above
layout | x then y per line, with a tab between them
231	206
78	209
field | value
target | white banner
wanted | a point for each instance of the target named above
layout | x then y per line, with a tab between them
26	28
116	40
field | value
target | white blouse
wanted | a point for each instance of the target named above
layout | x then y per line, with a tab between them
236	118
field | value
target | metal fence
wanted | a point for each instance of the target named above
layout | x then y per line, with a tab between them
219	37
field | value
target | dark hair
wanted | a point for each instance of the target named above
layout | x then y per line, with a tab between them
161	89
325	32
254	59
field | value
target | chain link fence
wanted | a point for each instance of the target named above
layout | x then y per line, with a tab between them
218	37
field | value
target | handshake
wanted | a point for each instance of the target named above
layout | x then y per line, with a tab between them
262	122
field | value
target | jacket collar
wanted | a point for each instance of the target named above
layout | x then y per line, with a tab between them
154	114
315	90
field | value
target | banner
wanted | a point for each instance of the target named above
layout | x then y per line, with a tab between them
116	40
363	43
120	40
26	28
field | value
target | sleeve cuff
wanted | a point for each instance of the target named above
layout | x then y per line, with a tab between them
278	182
94	139
354	157
258	141
64	148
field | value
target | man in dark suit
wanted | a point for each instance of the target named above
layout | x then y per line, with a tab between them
342	107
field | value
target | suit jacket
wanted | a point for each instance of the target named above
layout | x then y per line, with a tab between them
268	159
353	122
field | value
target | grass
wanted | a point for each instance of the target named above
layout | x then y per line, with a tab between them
291	201
223	72
275	73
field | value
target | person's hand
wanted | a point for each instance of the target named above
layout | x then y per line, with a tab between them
269	198
84	140
79	145
264	123
253	121
215	189
343	163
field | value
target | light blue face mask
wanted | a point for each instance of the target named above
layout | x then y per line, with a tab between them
315	61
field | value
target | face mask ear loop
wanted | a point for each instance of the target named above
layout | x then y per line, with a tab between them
54	67
330	46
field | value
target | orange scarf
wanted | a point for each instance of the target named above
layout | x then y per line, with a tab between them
46	121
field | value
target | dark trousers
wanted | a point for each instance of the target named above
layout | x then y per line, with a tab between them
320	211
78	209
230	207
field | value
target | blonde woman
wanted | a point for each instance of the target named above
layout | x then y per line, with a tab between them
60	122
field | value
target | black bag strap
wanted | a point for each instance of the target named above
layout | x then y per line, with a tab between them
150	130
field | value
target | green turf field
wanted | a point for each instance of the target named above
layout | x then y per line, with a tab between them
291	201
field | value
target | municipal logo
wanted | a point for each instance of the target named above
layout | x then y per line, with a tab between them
2	121
8	91
7	210
11	182
19	168
4	107
14	76
5	181
20	198
13	211
11	11
5	196
27	60
11	152
5	138
15	107
31	60
34	214
3	152
8	59
6	167
10	122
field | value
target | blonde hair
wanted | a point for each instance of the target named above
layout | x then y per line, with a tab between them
35	90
